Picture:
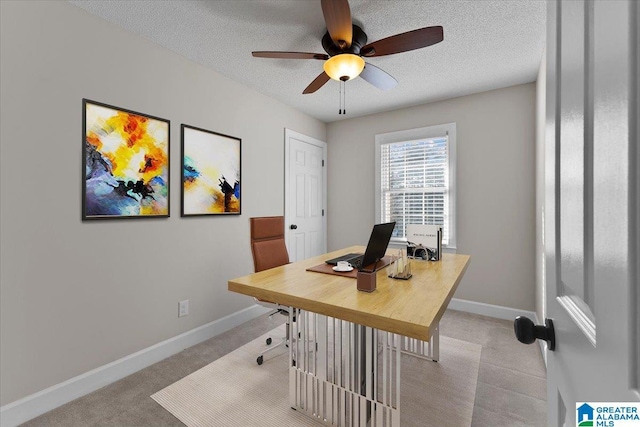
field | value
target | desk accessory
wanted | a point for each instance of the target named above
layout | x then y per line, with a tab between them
366	280
424	241
353	274
401	268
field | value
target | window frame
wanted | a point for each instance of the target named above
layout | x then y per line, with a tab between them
428	132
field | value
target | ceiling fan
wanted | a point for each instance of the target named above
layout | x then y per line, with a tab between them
346	45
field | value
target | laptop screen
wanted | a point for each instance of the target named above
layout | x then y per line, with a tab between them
378	242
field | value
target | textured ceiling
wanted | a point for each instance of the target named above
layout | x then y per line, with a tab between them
487	45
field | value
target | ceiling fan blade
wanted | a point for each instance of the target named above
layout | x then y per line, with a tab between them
289	55
317	83
377	77
404	42
337	16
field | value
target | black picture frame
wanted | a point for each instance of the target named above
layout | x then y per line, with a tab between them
211	171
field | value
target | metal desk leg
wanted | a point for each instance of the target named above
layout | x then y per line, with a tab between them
429	350
336	375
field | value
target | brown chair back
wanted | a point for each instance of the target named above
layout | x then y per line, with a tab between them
267	242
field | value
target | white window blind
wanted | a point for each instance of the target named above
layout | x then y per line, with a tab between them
414	184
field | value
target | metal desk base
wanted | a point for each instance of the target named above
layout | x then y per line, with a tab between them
345	374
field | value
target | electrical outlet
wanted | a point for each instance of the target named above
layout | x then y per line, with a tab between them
183	308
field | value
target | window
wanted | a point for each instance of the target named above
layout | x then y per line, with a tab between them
415	179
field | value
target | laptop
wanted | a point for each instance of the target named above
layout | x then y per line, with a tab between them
376	248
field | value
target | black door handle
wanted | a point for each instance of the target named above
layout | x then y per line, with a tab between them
293	226
527	332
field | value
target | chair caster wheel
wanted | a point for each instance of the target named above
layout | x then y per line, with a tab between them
268	341
259	360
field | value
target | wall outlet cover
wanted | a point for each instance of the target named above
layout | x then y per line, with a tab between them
183	308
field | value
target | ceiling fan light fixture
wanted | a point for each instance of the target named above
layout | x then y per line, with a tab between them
344	66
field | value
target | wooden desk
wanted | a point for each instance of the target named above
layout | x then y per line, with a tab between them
336	374
406	307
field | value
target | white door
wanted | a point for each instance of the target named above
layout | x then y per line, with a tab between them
305	196
591	219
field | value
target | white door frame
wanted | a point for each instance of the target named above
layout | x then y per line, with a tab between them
289	133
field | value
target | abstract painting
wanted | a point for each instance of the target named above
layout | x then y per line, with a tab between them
210	173
126	163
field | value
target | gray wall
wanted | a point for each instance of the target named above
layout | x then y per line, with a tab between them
495	178
74	295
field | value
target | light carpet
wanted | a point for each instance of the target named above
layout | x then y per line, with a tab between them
235	391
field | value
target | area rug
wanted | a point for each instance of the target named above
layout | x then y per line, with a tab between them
235	391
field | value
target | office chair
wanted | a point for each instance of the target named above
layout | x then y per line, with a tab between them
269	251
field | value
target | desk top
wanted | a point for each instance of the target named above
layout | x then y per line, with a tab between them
408	307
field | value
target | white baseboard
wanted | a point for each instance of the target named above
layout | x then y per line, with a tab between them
490	310
29	407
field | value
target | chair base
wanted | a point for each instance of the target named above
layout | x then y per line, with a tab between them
284	341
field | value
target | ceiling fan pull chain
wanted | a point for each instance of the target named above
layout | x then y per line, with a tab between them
340	98
342	94
344	98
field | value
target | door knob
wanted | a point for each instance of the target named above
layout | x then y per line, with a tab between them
527	332
293	226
